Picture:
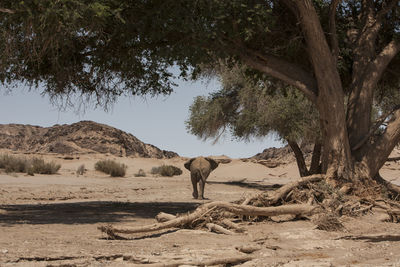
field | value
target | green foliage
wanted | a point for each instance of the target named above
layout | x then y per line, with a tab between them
166	170
252	109
30	166
111	167
140	173
102	49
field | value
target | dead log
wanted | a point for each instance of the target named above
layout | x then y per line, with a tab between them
284	190
295	209
212	262
218	229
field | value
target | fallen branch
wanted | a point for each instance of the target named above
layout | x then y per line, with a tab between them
233	225
218	229
284	190
220	261
295	209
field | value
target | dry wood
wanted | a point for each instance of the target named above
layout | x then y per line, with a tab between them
164	217
302	209
220	261
284	190
233	225
392	187
212	227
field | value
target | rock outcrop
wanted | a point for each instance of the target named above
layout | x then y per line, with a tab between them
77	138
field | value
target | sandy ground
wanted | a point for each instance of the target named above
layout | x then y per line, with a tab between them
52	220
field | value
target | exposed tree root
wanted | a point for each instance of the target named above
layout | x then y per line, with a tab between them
286	189
283	191
296	209
395	189
164	217
308	196
220	261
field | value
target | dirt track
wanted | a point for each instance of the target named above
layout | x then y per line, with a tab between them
52	220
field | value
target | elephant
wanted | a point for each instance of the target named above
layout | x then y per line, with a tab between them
200	168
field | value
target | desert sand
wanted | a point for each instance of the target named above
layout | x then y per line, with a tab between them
52	220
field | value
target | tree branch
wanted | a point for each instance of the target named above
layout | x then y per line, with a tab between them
376	68
377	153
377	124
6	10
361	97
283	70
386	7
301	164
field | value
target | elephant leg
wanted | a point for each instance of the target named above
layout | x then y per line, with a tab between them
195	194
201	188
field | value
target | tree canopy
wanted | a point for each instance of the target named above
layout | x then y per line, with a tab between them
343	56
251	108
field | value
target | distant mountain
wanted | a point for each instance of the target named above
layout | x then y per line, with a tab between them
80	137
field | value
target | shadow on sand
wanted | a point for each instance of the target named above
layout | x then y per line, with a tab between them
87	212
253	185
373	239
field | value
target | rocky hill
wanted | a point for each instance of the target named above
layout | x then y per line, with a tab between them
80	137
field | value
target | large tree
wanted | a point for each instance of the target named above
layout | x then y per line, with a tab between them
339	54
251	108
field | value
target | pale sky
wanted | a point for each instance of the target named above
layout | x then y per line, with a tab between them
158	121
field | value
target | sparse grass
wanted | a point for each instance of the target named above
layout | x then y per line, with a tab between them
81	170
166	170
20	164
140	173
111	167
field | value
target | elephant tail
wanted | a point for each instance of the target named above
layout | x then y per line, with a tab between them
203	175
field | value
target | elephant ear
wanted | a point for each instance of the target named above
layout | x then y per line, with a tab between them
188	163
213	163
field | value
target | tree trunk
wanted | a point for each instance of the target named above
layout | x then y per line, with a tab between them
315	166
336	157
379	151
301	164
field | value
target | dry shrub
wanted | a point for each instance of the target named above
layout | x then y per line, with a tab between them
42	167
30	166
13	164
111	167
140	173
166	170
